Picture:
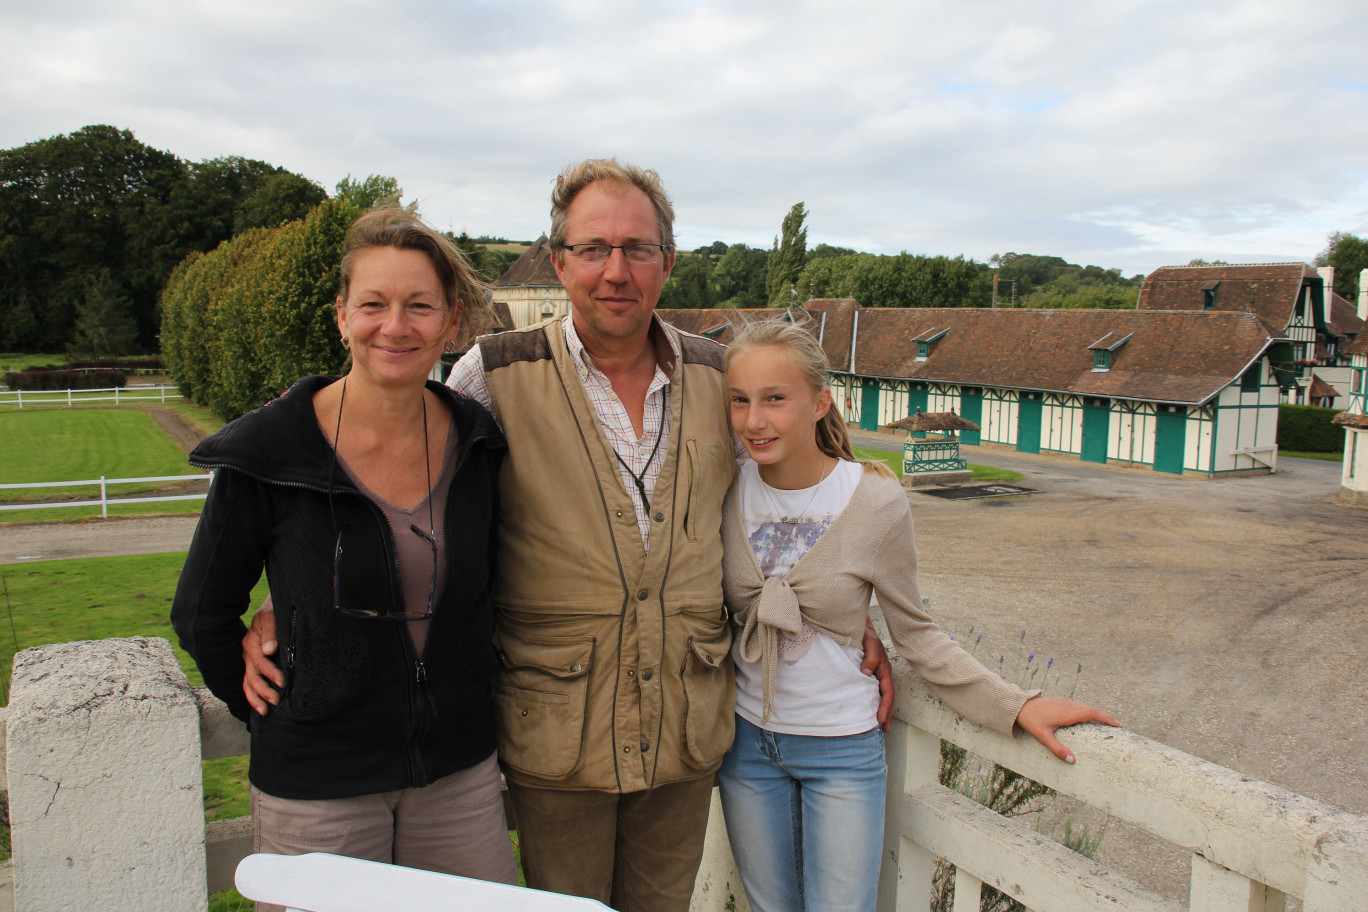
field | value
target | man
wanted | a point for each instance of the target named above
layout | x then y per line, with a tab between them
615	692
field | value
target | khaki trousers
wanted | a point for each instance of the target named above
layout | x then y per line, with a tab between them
455	825
637	852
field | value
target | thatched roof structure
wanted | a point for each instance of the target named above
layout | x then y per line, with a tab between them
1350	420
933	421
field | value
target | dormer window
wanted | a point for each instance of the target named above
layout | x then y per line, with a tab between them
1209	296
1105	347
926	340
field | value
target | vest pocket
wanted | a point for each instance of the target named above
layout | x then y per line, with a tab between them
693	466
539	698
709	698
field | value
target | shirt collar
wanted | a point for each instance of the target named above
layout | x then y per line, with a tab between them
667	350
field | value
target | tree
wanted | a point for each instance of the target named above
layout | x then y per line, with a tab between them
786	258
688	284
1349	255
738	279
371	192
282	197
104	328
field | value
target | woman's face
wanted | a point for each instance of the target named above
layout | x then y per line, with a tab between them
395	316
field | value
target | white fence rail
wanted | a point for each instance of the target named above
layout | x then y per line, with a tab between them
36	398
105	500
105	739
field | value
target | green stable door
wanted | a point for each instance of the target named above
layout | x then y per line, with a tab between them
869	405
1096	427
1170	439
971	409
1028	423
916	399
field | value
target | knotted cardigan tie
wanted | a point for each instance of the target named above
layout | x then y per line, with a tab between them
765	608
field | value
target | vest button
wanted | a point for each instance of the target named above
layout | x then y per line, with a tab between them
619	514
645	747
646	675
660	517
627	749
642	594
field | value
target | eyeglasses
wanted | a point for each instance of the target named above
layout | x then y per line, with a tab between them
635	253
375	613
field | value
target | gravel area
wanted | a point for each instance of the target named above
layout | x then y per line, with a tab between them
1221	617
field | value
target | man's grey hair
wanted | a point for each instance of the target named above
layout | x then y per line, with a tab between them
578	176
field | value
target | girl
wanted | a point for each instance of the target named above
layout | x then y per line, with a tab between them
808	533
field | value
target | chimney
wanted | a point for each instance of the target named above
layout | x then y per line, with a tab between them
1363	295
1327	274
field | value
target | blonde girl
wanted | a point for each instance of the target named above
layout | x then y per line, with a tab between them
809	532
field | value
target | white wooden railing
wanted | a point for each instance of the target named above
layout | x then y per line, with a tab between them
105	739
105	500
35	398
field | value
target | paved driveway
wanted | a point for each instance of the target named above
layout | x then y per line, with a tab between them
1225	618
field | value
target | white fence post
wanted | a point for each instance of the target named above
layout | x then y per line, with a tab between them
106	798
913	762
104	498
1217	889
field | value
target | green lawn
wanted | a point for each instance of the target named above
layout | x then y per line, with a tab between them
895	462
94	598
69	444
1337	456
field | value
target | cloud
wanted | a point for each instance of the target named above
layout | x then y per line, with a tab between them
1125	134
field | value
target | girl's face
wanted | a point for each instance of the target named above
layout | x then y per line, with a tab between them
774	409
395	315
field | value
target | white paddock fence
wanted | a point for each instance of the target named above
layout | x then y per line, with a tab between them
104	741
120	396
104	500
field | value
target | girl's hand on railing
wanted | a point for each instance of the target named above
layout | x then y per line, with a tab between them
1041	716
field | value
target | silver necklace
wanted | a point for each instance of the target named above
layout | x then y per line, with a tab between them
793	520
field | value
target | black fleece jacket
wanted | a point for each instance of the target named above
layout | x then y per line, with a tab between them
360	712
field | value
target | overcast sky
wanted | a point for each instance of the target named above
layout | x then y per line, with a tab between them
1123	134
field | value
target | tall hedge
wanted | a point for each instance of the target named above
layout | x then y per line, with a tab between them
1307	429
243	322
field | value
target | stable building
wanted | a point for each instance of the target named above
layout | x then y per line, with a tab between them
1354	420
1181	392
530	288
1309	323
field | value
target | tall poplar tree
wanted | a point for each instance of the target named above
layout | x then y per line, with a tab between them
786	258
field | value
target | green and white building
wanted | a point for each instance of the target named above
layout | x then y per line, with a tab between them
1182	392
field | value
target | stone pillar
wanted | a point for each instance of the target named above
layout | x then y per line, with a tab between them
106	794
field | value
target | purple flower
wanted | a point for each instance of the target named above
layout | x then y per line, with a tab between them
977	638
1049	663
1030	658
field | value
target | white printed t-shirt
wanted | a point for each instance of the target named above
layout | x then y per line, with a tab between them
818	688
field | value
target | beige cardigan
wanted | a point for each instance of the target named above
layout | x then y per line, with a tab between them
869	548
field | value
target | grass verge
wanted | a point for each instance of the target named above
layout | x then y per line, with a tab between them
895	462
1323	457
71	444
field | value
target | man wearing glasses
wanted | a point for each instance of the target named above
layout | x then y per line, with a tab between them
615	695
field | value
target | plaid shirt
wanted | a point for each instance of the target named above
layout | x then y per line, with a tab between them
637	456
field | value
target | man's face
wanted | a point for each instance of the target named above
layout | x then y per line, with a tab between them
613	299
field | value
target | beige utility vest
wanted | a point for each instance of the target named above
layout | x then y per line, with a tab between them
615	668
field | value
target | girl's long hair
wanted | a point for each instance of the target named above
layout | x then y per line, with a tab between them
804	352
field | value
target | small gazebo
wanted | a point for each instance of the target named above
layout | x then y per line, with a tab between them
933	460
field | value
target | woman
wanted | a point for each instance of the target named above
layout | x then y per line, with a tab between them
370	502
808	532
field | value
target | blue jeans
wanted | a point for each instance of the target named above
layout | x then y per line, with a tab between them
805	817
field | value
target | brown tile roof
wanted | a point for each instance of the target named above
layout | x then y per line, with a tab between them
1320	389
532	268
831	323
503	317
1344	318
1182	357
1358	347
1179	356
1267	289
